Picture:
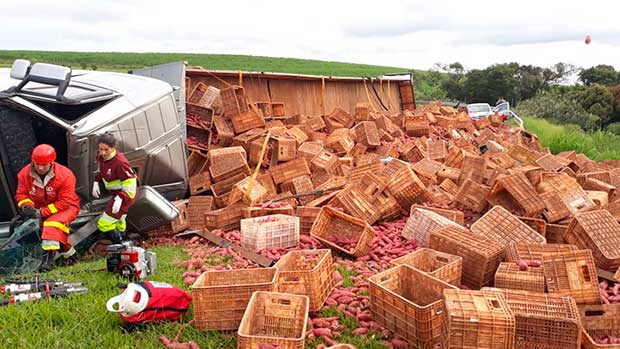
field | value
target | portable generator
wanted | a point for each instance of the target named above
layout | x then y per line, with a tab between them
131	262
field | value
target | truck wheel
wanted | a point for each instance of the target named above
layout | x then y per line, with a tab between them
17	139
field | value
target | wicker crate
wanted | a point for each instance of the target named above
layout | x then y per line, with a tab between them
309	150
367	134
223	133
297	134
196	208
285	149
427	168
417	126
357	204
226	218
360	170
198	138
274	319
307	216
437	150
472	168
331	227
523	154
362	111
508	275
241	192
277	230
409	302
277	109
221	297
227	162
309	273
203	95
481	256
515	193
569	191
599	321
421	223
614	209
498	224
453	215
234	101
573	274
245	139
406	187
289	170
197	115
478	319
534	252
471	195
340	141
256	147
599	232
325	161
256	211
315	123
543	320
449	187
342	117
443	266
555	233
299	185
555	208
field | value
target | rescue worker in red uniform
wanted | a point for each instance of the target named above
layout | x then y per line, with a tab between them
46	190
120	181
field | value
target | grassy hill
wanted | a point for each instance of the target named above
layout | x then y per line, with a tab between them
123	61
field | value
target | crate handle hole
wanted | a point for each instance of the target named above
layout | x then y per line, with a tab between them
595	313
385	278
495	304
586	273
283	301
291	279
442	259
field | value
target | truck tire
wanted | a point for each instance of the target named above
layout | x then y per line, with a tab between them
17	140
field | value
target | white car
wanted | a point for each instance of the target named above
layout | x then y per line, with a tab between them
478	111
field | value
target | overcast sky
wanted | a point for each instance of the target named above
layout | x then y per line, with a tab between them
408	34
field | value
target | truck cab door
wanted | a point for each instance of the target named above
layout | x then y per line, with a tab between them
172	73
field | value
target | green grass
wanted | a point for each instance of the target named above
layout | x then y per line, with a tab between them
598	145
82	321
123	61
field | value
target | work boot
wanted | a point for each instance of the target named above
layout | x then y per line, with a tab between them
69	258
47	261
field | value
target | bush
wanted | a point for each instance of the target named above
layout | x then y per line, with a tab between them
614	128
558	107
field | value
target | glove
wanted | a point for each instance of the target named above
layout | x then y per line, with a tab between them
29	211
118	201
96	191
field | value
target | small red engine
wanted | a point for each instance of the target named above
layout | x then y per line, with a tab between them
129	261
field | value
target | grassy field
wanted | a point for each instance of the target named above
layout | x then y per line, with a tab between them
123	61
597	145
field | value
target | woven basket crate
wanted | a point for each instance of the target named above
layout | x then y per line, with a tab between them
241	192
509	276
406	187
309	149
199	115
437	150
245	139
481	257
358	172
289	170
543	320
417	126
285	148
277	230
471	195
409	302
555	209
599	321
207	96
421	223
177	225
472	168
198	138
569	191
478	319
453	215
331	226
599	232
449	187
234	101
549	162
309	273
221	297
357	204
443	266
227	162
534	252
392	168
315	123
340	141
412	153
274	319
515	193
523	154
226	219
196	208
325	161
427	168
573	274
367	134
555	233
498	224
614	209
223	133
307	216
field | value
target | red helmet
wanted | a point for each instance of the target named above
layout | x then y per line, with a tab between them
43	154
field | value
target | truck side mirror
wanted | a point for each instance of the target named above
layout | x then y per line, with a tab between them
20	69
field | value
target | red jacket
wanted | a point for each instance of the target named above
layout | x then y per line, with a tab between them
54	193
117	176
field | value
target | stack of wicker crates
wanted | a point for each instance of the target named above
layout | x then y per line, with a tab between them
478	319
274	320
220	298
309	273
543	320
410	303
443	266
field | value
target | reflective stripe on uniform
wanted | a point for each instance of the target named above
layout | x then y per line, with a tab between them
57	225
69	253
121	225
25	201
106	223
113	185
48	245
129	187
52	208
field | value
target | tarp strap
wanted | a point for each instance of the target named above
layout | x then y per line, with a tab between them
260	162
323	95
372	105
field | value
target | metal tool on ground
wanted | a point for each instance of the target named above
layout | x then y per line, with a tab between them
131	262
36	286
47	293
312	193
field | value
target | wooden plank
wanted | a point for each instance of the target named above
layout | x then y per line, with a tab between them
251	255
